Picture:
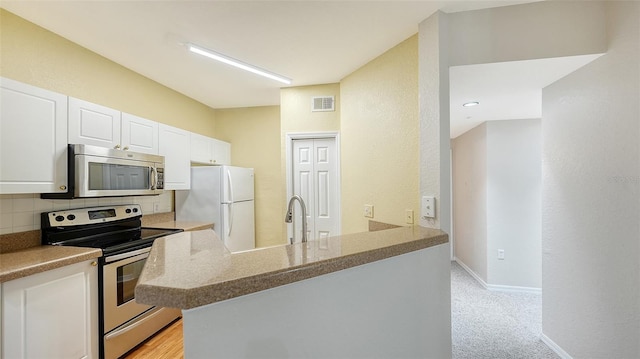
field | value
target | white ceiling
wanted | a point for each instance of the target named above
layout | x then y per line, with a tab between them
506	90
311	42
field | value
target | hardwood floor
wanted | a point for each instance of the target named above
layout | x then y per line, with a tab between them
166	344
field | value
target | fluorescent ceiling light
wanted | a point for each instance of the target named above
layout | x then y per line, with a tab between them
469	104
239	64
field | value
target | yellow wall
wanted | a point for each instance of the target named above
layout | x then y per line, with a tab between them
380	138
296	116
296	113
33	55
376	114
254	134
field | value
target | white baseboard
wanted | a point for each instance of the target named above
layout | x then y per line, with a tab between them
555	347
497	287
472	273
515	289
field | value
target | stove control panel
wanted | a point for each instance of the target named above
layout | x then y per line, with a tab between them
82	216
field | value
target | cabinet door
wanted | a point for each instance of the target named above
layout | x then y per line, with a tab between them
221	152
139	134
175	146
201	149
53	314
92	124
33	139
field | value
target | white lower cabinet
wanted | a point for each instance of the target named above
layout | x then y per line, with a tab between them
53	314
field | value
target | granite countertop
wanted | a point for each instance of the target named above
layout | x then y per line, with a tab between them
192	269
22	255
184	225
39	259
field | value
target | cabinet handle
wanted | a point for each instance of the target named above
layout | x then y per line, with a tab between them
117	147
126	148
63	187
94	263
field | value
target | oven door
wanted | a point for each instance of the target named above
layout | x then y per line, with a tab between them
98	176
120	276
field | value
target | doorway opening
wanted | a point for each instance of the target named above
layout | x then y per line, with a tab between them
313	173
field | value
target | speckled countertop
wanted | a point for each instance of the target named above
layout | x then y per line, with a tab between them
184	225
39	259
192	269
22	255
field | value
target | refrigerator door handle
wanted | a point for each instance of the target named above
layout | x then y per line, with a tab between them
230	186
230	202
230	219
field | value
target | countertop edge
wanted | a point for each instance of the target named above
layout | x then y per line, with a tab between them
189	298
53	262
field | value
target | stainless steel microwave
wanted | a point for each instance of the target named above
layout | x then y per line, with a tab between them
103	172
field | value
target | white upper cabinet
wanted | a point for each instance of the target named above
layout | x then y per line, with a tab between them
200	148
33	139
97	125
175	146
139	134
207	150
92	124
221	152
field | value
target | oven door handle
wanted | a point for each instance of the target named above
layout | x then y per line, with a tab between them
118	257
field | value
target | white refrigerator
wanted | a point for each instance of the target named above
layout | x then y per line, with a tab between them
222	195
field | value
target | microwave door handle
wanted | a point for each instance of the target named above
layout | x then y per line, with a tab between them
154	177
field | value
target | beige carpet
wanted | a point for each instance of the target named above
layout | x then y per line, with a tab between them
489	324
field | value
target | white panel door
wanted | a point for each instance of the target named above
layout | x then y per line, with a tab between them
175	146
139	134
303	186
92	124
325	209
315	172
33	139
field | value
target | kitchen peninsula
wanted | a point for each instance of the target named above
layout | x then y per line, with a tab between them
375	294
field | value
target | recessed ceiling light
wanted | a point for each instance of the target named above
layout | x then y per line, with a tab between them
469	104
236	63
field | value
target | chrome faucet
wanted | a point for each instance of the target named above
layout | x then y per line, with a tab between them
289	217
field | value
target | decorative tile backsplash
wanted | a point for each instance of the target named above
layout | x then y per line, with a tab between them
21	212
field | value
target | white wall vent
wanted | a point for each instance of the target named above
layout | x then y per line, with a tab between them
322	103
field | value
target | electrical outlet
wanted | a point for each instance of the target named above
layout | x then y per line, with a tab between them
408	216
368	210
156	207
501	254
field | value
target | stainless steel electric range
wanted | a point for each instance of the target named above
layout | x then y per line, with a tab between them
125	244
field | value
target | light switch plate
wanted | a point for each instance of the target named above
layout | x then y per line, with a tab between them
428	207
